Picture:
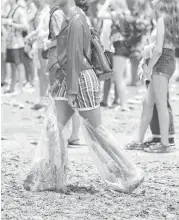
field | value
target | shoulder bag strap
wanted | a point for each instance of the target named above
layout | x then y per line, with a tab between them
50	20
15	11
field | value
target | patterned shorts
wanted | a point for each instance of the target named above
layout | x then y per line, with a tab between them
88	97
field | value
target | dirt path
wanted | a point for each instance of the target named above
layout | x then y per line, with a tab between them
87	197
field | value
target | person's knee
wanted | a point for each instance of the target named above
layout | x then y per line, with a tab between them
147	104
161	103
162	106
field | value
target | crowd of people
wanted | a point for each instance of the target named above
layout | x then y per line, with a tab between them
52	38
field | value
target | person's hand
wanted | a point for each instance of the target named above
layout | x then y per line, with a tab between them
45	44
26	39
32	53
147	71
27	48
72	101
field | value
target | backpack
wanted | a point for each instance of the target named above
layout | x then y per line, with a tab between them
99	59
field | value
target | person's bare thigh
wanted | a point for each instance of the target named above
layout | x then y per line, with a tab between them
93	116
64	112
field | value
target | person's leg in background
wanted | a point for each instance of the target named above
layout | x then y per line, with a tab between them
134	68
75	137
107	85
116	96
15	58
160	82
145	120
3	68
29	71
43	81
106	90
155	129
177	63
14	70
119	66
160	85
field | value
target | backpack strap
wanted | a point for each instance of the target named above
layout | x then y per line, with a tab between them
15	11
12	16
50	20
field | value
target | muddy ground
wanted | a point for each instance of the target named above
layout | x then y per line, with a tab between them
87	197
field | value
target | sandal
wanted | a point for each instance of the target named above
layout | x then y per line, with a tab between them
150	141
115	104
38	106
134	146
102	104
75	142
159	148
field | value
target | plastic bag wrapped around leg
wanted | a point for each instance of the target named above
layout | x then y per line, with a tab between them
112	163
49	167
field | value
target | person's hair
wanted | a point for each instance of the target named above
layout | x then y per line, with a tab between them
170	10
83	4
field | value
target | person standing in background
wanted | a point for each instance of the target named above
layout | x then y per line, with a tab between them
29	64
138	8
159	69
116	9
5	8
16	23
177	62
154	124
105	38
38	35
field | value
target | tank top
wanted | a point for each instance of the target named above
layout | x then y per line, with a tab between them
15	38
167	43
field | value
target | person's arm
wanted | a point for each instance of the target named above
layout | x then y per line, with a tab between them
23	25
74	55
158	46
103	12
42	30
4	31
106	33
33	13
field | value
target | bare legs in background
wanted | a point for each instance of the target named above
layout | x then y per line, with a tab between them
119	66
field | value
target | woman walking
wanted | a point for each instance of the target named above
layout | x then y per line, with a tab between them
159	70
80	90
